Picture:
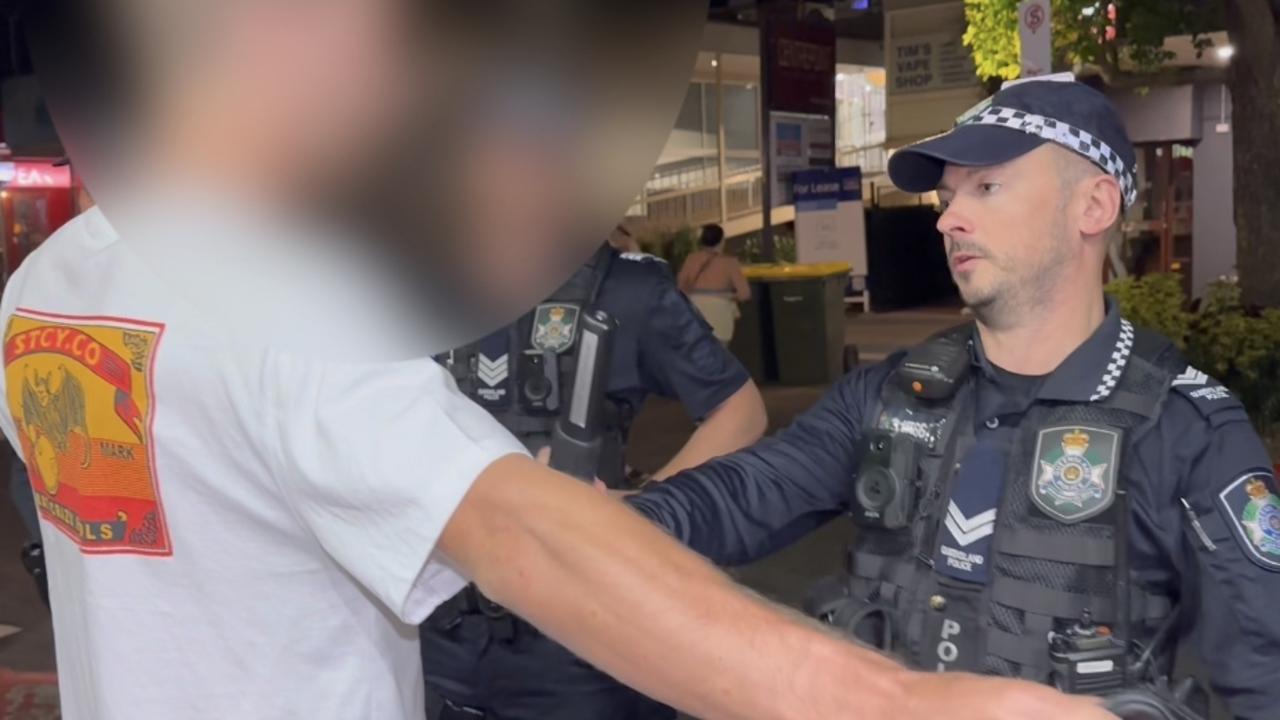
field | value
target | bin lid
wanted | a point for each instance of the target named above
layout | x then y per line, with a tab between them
795	271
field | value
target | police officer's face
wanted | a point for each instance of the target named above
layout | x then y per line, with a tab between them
1005	231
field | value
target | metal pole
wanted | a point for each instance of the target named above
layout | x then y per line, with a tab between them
724	189
766	163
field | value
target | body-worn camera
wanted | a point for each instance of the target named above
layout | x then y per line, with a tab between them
884	495
539	376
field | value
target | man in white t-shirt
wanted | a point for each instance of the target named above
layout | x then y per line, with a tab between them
247	508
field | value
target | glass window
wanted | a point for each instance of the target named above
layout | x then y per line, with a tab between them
741	118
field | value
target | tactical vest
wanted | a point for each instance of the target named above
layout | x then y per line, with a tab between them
1042	573
523	373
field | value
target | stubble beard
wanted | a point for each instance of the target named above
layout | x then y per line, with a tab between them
1021	291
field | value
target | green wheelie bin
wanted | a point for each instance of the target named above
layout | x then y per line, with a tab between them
806	315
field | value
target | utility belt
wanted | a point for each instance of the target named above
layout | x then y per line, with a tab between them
1085	659
471	602
33	562
536	431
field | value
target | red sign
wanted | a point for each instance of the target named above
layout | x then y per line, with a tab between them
802	65
1034	17
40	176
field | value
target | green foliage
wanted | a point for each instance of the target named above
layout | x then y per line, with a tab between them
671	245
992	35
1241	349
1155	302
676	245
1080	32
784	246
1222	337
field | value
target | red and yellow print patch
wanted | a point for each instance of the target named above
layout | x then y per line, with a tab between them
80	391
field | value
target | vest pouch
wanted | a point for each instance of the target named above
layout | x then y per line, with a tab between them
834	601
951	631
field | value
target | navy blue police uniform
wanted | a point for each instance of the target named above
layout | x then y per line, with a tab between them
1006	520
1204	515
479	661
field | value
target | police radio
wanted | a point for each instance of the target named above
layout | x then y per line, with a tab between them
935	369
884	494
578	438
1090	659
1087	659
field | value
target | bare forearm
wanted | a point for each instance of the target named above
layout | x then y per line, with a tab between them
738	422
601	580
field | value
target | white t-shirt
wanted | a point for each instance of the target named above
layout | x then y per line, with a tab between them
232	530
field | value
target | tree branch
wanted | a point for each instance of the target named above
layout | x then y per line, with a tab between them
1121	80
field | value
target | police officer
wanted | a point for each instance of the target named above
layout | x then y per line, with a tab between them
1021	481
24	502
481	661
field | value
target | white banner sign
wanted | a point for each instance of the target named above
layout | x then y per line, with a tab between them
929	62
1036	36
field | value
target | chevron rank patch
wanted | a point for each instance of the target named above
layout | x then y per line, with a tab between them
1074	477
1198	386
1252	508
641	257
492	370
964	545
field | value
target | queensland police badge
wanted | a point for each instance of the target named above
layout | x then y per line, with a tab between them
1251	504
554	327
1075	472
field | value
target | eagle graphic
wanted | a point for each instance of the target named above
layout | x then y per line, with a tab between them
53	407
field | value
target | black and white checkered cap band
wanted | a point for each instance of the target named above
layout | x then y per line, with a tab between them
1116	364
1072	138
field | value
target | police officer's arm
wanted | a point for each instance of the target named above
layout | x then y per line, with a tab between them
680	358
741	289
733	424
1230	563
746	505
629	600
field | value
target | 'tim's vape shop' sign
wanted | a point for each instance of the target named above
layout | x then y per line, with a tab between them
929	62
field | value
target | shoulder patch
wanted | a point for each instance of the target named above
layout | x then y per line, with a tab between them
641	257
1251	507
1210	397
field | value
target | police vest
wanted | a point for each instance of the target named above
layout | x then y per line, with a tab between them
523	373
1043	569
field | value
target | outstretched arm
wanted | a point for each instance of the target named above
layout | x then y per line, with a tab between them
583	568
629	600
746	505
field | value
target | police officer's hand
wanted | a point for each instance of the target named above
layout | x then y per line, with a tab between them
960	696
544	456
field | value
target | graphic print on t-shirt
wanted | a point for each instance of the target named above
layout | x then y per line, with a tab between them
80	392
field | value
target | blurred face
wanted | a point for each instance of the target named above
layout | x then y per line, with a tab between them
305	89
1007	233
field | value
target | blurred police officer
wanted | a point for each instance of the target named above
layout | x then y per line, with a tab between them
992	468
24	502
482	662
